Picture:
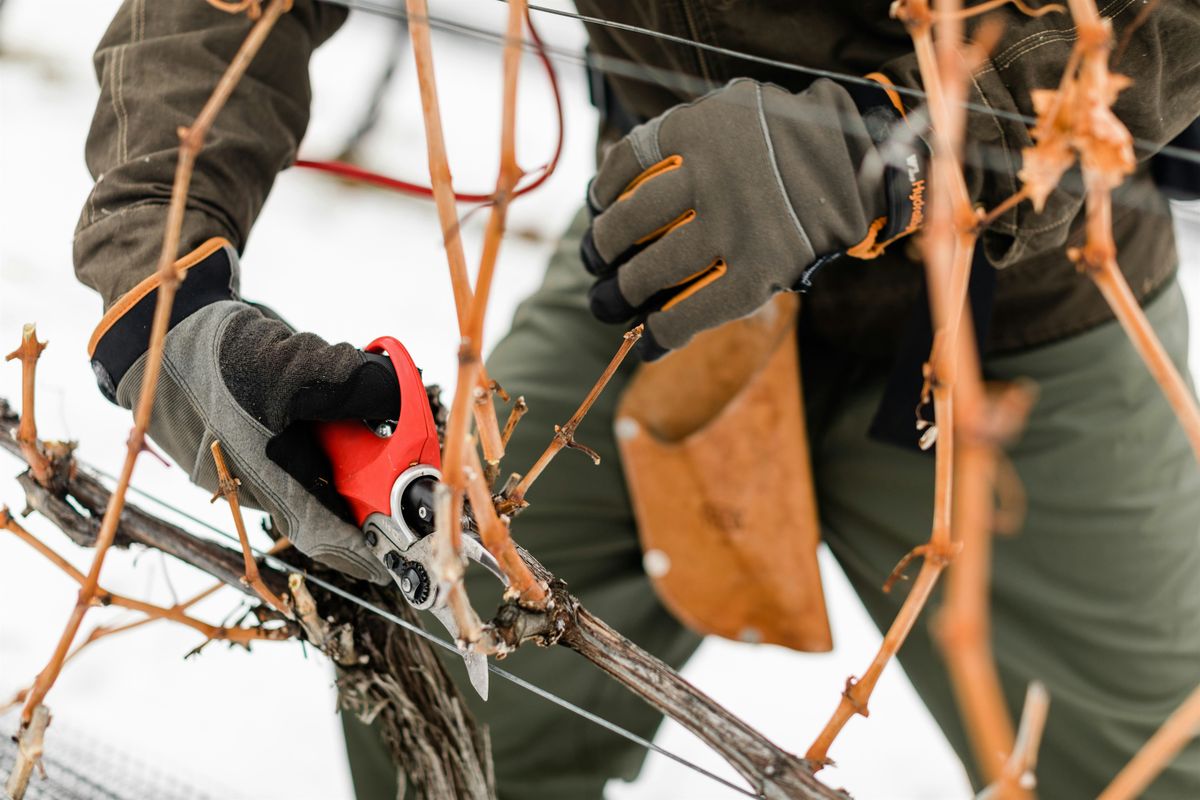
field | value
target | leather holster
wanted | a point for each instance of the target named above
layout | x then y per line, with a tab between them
716	457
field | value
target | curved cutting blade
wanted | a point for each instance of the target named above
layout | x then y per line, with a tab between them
476	663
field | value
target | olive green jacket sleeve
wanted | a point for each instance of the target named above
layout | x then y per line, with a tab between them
157	64
1160	52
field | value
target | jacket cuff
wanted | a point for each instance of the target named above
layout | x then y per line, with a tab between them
115	248
123	335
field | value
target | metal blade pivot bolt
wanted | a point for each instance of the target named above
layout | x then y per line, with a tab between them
392	560
414	583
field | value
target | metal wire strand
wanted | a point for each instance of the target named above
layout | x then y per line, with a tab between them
630	69
1144	145
690	83
986	156
436	640
524	684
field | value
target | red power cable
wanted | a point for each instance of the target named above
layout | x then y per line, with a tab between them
354	172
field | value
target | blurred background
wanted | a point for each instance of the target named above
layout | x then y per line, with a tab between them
230	724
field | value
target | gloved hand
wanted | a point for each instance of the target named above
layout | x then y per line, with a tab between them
704	212
235	372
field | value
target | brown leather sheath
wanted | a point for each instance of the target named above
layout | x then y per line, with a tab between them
716	457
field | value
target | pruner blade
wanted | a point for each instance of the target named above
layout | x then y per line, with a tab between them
476	663
421	552
411	565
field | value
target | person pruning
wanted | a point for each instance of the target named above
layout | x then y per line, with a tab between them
714	193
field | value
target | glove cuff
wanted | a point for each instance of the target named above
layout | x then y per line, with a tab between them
123	334
905	158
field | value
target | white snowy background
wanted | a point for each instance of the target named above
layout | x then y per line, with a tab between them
350	263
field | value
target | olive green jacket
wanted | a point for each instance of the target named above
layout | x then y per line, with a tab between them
158	62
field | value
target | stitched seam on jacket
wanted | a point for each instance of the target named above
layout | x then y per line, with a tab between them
139	20
1058	223
91	207
1003	139
1056	329
1062	37
1007	59
787	201
1033	43
1109	10
105	217
119	105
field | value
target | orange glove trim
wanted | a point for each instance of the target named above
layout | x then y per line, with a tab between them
868	248
146	286
653	171
890	89
702	278
678	222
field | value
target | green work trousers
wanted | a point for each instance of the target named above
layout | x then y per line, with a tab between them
1098	595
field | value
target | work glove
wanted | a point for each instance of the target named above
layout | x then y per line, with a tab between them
235	372
703	213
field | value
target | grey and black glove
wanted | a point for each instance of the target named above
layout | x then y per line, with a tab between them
703	213
235	372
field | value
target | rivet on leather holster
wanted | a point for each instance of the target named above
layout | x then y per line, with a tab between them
716	456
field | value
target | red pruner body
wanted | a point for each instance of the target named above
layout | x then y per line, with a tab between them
366	463
388	471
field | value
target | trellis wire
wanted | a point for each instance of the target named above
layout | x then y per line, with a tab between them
615	65
442	643
691	82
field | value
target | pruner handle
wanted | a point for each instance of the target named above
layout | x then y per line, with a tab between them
365	464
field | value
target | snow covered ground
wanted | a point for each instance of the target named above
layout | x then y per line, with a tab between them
234	725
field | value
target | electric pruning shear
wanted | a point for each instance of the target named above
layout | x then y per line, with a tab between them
387	472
